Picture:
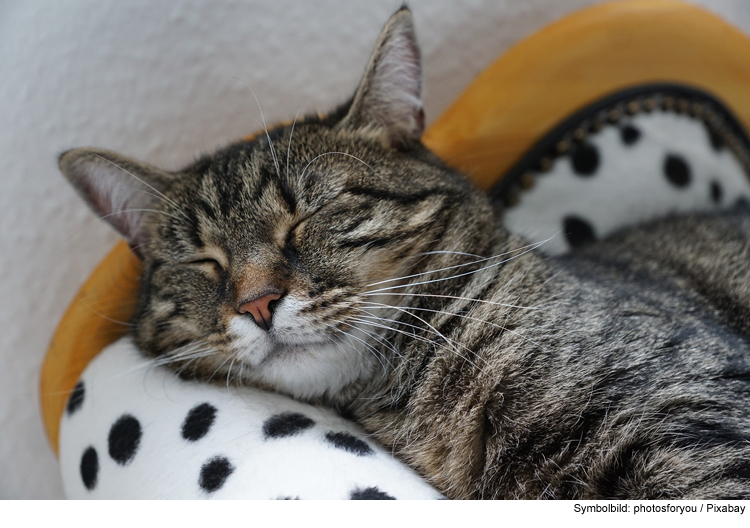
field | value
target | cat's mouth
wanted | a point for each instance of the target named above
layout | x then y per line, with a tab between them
256	347
304	364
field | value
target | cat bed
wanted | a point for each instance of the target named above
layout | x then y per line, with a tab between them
583	153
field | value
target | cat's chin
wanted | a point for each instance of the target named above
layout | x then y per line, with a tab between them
318	368
311	372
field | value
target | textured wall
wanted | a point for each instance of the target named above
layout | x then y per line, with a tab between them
164	81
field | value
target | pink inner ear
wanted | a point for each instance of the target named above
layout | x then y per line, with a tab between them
390	95
118	195
119	201
397	86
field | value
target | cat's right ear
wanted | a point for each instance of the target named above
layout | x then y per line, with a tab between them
120	190
388	102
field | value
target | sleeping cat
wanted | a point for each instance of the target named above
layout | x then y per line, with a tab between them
337	260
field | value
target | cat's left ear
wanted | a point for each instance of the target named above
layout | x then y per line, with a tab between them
388	102
121	190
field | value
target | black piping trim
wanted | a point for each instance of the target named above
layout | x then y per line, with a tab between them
610	109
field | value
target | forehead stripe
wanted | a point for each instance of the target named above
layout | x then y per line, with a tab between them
404	199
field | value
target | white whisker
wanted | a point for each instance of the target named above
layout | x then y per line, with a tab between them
369	346
481	259
330	153
413	336
374	335
362	320
138	210
229	372
527	249
265	128
157	191
454	297
460	253
505	329
218	369
437	332
125	211
110	319
289	146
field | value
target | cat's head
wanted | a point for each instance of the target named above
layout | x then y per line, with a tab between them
261	261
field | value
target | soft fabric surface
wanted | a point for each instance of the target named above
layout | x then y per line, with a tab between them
642	155
133	430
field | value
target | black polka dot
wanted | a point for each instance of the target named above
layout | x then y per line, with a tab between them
350	443
198	421
372	493
585	159
124	439
287	424
717	192
89	468
215	473
76	398
677	171
629	134
578	232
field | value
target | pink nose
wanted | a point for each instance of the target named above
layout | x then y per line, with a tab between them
261	309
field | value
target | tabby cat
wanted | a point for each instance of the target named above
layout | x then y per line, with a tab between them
336	260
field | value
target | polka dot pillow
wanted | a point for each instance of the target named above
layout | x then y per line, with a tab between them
635	156
134	430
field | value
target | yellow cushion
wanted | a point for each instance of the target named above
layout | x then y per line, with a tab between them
97	317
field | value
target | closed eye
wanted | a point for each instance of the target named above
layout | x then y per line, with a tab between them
288	250
208	265
209	257
205	261
288	242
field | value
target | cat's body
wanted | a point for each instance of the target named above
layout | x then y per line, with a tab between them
631	379
337	260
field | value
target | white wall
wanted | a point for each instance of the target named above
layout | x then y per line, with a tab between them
164	81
